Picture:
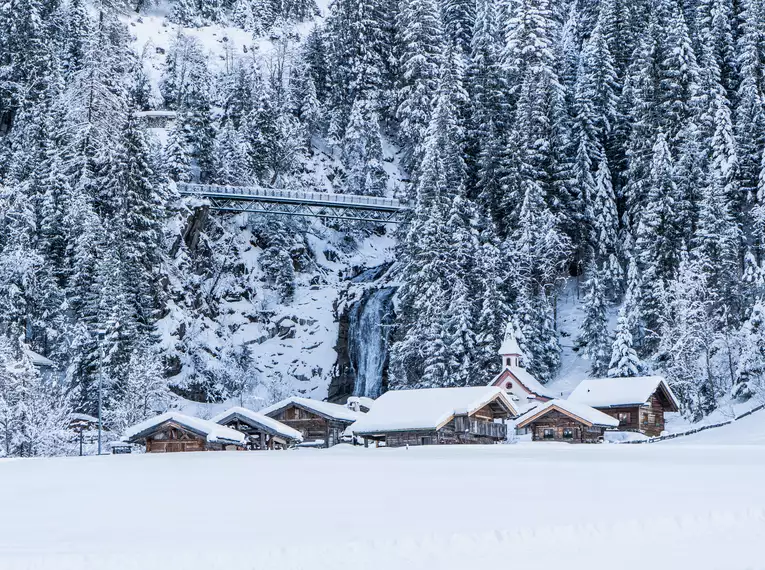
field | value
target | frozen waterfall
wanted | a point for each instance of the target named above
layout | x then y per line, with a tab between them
368	340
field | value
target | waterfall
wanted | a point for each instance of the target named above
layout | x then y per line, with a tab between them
368	340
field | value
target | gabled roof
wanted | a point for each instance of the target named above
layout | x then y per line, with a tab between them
580	412
258	421
212	432
427	408
324	409
526	379
617	392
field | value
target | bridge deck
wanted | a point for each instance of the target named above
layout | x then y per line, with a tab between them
258	194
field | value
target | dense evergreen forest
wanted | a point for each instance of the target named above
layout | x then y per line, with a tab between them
618	143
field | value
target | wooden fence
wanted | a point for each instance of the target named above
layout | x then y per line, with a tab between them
696	430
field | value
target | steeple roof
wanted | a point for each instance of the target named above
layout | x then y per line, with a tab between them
510	342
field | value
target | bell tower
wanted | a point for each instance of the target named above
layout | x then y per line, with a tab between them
510	351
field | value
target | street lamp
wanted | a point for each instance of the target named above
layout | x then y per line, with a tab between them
102	338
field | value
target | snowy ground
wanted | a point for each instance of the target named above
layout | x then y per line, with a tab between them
690	504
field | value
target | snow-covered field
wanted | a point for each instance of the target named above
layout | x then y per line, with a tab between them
690	504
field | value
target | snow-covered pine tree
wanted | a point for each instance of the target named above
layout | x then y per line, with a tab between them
242	16
594	337
687	339
487	92
421	57
749	112
34	412
362	151
605	231
716	241
185	13
177	152
624	360
493	312
656	243
141	393
230	158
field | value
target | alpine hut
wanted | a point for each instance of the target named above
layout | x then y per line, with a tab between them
434	416
563	420
638	403
174	432
320	423
262	432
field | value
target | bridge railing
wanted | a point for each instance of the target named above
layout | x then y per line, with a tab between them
291	195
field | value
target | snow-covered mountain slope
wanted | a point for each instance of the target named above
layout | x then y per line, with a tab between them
290	344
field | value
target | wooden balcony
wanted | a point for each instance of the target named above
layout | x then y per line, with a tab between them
480	427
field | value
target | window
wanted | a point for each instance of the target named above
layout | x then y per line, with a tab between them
625	417
568	433
509	361
649	419
509	385
549	433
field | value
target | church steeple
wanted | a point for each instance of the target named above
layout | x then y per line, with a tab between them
510	351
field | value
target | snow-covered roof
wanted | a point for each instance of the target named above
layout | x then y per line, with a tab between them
214	433
168	114
524	377
583	412
258	420
39	359
531	383
326	409
613	392
363	401
427	408
510	342
83	418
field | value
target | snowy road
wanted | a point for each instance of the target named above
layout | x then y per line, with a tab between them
533	505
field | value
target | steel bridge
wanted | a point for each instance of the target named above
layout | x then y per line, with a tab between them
253	199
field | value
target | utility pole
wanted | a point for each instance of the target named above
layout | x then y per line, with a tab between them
102	338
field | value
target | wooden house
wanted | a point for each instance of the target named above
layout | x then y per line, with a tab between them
320	423
174	432
435	416
262	432
513	377
562	420
638	403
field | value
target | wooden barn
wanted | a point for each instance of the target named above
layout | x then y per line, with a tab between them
262	432
173	432
435	416
320	423
513	376
562	420
638	403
